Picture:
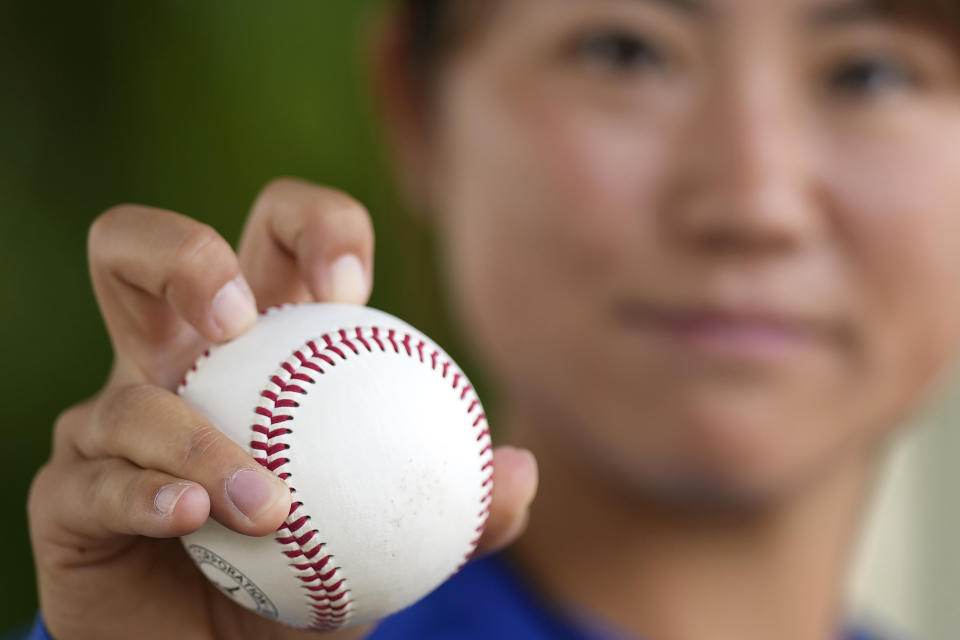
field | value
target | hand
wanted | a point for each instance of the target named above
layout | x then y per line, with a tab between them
135	467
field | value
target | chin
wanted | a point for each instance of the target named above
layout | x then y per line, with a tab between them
722	466
707	491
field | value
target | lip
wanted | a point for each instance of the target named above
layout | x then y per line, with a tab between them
754	334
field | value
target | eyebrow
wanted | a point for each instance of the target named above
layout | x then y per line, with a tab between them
691	7
830	15
846	13
837	14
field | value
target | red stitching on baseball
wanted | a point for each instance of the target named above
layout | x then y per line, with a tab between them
299	543
345	340
363	340
324	589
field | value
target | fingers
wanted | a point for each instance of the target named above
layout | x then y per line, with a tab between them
158	273
154	429
102	499
514	487
306	242
166	283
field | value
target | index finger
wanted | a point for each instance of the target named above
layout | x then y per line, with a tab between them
166	284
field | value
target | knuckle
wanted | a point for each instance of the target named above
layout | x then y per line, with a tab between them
340	217
67	425
122	408
99	494
342	205
276	187
102	225
199	445
318	203
39	492
127	403
277	191
43	497
200	250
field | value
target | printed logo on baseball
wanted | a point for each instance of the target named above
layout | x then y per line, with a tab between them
384	446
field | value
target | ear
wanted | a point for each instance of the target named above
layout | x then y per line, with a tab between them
403	105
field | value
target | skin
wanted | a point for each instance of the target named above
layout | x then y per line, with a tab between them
738	168
781	177
135	467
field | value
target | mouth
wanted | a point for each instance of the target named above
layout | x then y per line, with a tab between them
755	334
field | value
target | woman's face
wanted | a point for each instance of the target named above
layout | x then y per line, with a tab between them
711	245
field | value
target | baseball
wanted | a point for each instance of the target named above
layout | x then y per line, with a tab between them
384	446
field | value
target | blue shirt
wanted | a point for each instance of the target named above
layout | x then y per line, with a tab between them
487	599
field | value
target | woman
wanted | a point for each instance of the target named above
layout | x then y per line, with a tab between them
707	251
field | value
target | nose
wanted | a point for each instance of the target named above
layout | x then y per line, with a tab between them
743	182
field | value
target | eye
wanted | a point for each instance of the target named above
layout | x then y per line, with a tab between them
618	50
867	76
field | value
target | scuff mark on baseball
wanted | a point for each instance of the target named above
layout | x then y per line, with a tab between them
384	445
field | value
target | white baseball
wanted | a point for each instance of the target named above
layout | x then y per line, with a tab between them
384	446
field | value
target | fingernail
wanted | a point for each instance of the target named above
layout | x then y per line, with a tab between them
234	309
168	496
251	492
347	281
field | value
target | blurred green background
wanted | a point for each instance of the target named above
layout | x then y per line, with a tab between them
189	106
194	106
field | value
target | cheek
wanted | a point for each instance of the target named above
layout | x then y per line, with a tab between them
897	202
531	171
543	207
602	173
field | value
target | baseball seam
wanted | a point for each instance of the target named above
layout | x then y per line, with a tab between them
325	588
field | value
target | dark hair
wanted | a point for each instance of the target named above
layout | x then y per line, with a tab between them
430	31
424	19
433	27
